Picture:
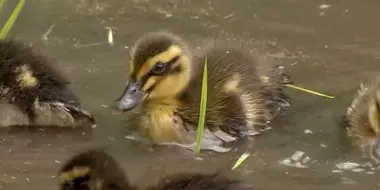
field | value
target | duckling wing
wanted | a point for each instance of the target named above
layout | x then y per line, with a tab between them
234	99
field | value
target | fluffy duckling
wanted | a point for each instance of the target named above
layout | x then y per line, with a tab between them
362	120
33	93
92	169
96	170
166	80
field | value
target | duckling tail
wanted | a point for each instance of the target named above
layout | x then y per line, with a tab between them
274	90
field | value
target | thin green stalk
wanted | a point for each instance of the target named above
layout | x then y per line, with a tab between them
202	110
2	2
11	20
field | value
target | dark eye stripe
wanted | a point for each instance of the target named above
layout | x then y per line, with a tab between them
169	70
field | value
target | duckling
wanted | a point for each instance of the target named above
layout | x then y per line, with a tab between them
166	80
362	120
94	169
33	93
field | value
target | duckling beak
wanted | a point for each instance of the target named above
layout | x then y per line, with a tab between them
131	97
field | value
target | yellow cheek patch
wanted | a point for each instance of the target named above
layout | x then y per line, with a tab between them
74	173
164	57
150	82
25	77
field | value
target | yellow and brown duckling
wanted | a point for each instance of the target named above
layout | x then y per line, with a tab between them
362	120
33	93
96	170
166	80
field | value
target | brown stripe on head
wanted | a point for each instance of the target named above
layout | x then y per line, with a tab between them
163	57
147	47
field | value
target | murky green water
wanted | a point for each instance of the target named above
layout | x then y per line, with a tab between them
329	50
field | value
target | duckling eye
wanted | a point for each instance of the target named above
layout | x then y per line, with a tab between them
159	68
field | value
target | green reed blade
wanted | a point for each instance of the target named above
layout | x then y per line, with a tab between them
11	20
202	110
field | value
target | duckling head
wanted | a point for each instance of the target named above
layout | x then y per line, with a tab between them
159	68
92	170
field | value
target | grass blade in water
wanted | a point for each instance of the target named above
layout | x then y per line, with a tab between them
12	19
202	110
309	91
241	160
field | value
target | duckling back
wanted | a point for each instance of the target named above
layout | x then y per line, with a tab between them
238	100
32	92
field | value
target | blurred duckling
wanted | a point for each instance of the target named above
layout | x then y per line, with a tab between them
362	120
94	169
166	80
33	93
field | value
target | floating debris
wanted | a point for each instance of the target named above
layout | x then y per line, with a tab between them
229	16
324	6
308	131
241	160
358	170
306	160
298	160
297	155
44	37
347	165
89	45
110	36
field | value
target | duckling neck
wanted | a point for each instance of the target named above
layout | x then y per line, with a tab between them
161	122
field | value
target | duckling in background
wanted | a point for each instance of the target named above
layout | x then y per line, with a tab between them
33	93
93	169
362	120
96	170
166	80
